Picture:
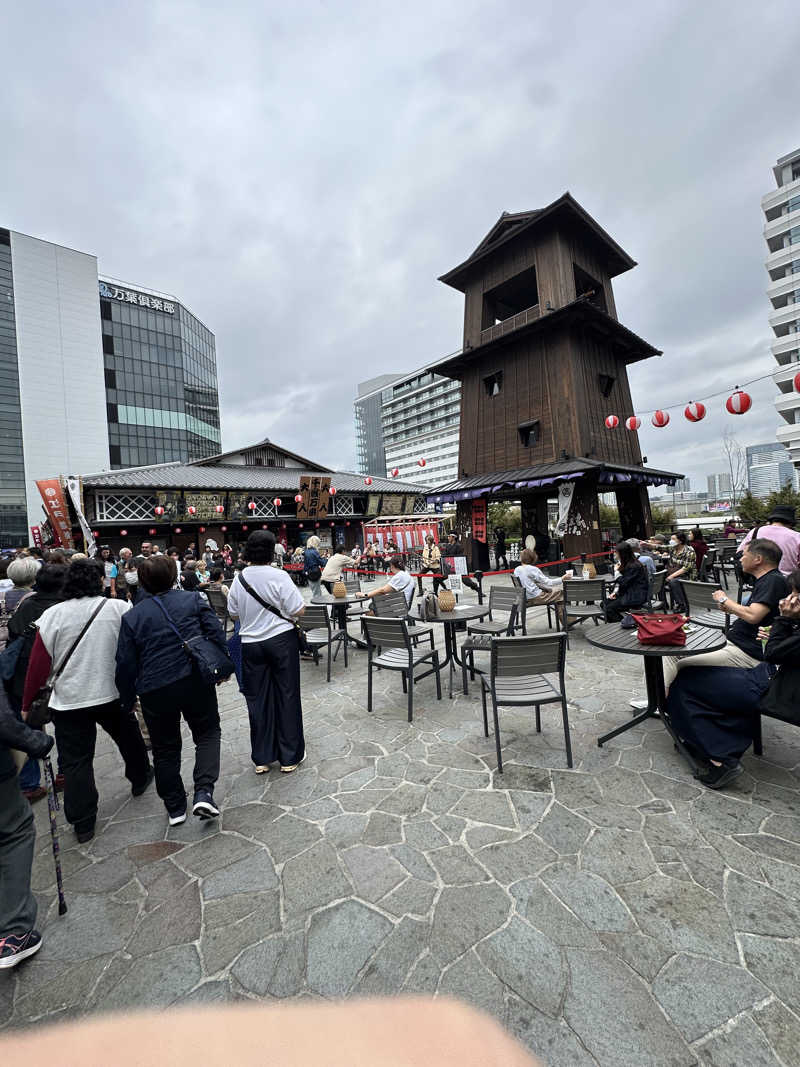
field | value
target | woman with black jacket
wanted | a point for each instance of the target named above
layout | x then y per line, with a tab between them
782	699
152	661
632	586
46	592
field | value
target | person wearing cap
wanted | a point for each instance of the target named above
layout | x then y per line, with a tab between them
780	528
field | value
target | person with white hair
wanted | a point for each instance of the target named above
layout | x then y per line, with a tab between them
22	573
647	561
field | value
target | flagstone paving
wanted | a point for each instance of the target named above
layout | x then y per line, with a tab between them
616	913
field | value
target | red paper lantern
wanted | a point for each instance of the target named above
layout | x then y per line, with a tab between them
332	490
367	481
192	509
123	533
177	529
316	525
395	471
332	524
612	422
796	381
264	526
695	412
158	510
421	462
633	423
201	529
347	523
739	402
301	526
219	508
252	505
224	529
151	531
96	533
660	418
244	525
277	501
298	498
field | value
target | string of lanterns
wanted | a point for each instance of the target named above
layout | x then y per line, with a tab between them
738	403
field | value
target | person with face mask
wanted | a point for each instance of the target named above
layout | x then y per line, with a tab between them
682	564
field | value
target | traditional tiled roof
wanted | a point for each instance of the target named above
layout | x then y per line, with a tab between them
236	476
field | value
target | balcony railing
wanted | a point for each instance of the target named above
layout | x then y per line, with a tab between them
500	329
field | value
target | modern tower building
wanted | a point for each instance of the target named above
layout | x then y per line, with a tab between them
719	486
782	233
769	468
94	374
400	420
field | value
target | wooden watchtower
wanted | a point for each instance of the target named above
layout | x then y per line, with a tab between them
544	360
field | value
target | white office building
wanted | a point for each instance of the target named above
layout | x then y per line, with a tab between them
782	233
400	420
769	468
719	486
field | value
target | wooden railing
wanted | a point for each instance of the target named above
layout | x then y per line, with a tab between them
522	318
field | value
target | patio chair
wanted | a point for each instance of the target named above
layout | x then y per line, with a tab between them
551	607
726	553
703	608
707	572
584	598
506	600
316	622
353	585
219	603
391	640
516	678
395	606
657	598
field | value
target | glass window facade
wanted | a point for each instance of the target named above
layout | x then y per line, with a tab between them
161	383
13	510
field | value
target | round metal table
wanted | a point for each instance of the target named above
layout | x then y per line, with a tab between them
613	638
450	620
328	600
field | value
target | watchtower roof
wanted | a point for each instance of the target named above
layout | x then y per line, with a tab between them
510	226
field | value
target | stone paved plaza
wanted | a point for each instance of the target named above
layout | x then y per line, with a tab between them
615	914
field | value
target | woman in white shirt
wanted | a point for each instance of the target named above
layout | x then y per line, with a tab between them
265	599
85	693
399	579
539	589
332	571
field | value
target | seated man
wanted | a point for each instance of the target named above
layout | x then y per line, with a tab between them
399	579
539	589
713	710
743	649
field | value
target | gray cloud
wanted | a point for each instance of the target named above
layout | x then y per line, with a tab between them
300	178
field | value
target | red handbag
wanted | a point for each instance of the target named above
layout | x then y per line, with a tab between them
661	629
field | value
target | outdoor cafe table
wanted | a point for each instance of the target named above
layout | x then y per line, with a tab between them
450	620
339	604
699	640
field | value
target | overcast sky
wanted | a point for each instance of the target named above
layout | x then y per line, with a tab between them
300	175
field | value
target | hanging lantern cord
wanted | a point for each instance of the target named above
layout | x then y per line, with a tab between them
710	396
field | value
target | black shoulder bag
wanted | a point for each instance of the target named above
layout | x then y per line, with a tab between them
301	636
40	712
213	664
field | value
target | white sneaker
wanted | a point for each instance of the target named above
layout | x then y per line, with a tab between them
640	705
177	818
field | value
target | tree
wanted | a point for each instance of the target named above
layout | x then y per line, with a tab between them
736	459
751	510
505	515
609	517
663	518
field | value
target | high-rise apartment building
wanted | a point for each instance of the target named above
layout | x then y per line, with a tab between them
719	486
94	373
769	468
782	233
400	420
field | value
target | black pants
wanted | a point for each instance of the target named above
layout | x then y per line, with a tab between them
76	736
271	687
615	610
162	709
438	580
678	595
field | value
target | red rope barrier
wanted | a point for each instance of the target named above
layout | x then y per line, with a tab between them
486	574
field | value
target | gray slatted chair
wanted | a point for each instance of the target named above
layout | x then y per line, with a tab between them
707	572
726	553
584	598
516	678
506	600
551	607
316	622
703	608
657	595
395	606
391	640
353	585
219	602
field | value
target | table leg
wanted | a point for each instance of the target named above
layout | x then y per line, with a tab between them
654	681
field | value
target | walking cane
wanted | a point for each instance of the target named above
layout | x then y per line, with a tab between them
52	808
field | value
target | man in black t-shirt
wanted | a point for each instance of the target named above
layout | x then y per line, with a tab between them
759	559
